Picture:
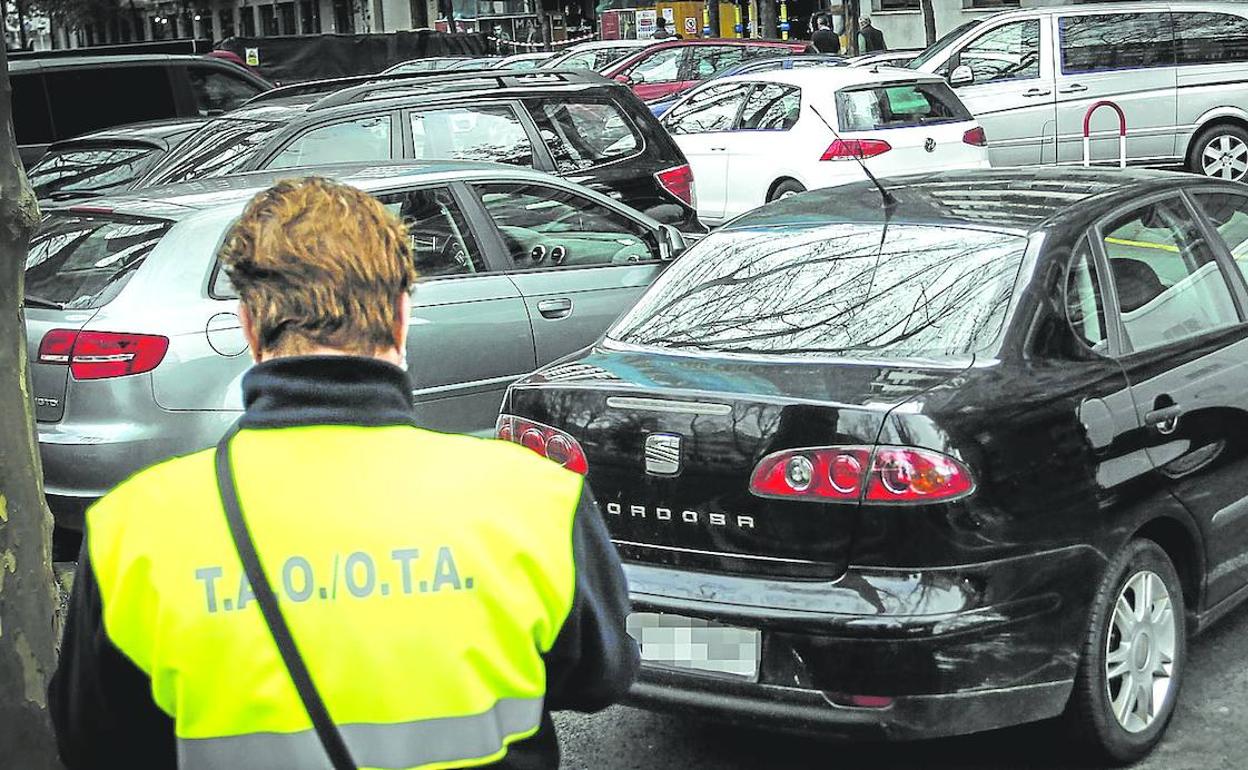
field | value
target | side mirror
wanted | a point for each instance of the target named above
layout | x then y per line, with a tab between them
671	243
623	78
962	75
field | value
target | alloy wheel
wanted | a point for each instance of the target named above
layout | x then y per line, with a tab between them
1140	650
1225	156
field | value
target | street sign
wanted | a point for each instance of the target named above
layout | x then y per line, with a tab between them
691	25
252	57
645	24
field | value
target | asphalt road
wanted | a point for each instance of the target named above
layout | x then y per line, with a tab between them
1209	732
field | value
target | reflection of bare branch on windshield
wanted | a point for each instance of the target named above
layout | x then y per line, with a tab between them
834	289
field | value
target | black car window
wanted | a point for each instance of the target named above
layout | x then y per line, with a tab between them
1210	38
90	169
711	109
221	147
1009	52
662	66
441	240
1229	214
31	121
546	227
85	99
844	290
82	262
1168	283
1084	307
361	139
1116	41
898	106
771	107
488	133
581	133
218	90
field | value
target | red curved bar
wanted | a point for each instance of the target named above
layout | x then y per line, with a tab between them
1087	117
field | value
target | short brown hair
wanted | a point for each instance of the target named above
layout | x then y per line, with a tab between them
318	263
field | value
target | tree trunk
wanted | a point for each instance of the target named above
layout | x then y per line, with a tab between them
27	625
849	11
929	21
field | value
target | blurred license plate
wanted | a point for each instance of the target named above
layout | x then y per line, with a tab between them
673	641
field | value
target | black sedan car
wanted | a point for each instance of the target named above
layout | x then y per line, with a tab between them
970	454
107	161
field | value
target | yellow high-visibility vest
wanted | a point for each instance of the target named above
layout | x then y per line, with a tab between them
422	576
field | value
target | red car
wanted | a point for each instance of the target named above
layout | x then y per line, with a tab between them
674	65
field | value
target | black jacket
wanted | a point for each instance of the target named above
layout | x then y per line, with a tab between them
826	41
872	40
101	702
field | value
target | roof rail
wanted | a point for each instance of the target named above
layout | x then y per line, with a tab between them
371	88
331	84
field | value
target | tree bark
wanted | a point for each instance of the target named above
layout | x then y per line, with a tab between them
27	624
929	21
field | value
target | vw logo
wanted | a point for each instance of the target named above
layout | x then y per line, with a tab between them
930	145
663	454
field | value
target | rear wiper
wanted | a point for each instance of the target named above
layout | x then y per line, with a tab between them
65	195
33	301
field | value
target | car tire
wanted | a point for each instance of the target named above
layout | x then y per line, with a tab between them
1103	714
784	189
1221	152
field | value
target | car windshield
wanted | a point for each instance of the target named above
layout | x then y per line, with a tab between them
82	262
843	290
935	48
221	147
90	169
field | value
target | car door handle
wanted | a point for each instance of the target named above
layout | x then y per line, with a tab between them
1165	419
1073	88
1037	92
719	149
555	308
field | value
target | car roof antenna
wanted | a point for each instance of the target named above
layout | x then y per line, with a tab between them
889	199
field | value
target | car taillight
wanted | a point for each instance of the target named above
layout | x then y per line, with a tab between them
548	442
679	182
853	474
976	137
848	149
101	355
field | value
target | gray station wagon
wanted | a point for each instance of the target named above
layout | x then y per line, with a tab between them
136	351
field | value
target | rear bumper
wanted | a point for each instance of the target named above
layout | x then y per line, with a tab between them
956	650
83	461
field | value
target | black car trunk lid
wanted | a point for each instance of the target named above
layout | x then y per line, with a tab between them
672	442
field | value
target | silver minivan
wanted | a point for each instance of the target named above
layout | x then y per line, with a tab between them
1177	71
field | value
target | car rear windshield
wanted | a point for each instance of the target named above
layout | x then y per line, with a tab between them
83	261
221	147
90	169
899	105
839	290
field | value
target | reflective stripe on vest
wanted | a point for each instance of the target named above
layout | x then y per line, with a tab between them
410	744
423	577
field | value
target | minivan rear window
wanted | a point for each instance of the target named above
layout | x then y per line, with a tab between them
839	290
1116	41
898	106
83	261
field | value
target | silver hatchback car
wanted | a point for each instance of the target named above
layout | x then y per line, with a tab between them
137	354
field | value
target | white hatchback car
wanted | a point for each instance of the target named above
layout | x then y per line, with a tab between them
756	138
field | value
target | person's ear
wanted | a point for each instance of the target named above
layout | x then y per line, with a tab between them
250	332
402	318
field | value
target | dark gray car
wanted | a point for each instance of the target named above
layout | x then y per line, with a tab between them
136	351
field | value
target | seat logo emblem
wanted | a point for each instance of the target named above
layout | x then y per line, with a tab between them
930	145
663	454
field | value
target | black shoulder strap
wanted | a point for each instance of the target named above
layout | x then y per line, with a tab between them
326	730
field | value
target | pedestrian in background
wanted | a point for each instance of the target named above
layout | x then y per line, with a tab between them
331	563
661	32
870	39
824	39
